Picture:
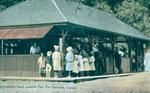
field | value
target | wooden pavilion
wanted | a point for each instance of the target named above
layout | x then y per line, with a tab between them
52	22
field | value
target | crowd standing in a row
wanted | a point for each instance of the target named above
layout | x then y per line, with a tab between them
80	64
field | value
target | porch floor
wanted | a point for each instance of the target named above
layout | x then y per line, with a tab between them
64	79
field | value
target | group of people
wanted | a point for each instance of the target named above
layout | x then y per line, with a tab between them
80	64
51	61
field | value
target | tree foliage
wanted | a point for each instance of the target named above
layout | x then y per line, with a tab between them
134	14
7	3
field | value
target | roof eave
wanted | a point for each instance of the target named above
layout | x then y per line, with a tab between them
34	25
95	29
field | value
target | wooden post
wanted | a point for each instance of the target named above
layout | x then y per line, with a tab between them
2	47
129	52
136	54
142	50
63	41
129	47
113	48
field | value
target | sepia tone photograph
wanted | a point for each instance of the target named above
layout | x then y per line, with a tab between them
74	46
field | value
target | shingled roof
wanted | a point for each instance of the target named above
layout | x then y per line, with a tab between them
65	11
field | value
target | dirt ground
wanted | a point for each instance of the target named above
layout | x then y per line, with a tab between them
137	83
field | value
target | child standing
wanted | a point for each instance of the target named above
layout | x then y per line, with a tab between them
92	64
69	60
75	66
86	64
48	64
41	62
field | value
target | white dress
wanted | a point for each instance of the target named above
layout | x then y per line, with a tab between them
75	66
80	66
86	64
56	58
92	63
147	62
69	61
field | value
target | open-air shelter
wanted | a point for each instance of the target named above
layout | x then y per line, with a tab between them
56	21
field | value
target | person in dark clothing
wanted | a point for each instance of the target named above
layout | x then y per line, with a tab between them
48	64
118	60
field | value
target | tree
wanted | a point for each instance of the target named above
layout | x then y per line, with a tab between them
7	3
134	14
103	5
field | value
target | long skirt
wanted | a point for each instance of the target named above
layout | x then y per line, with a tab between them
87	66
92	66
57	65
69	66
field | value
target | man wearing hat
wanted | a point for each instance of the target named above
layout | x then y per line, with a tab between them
69	60
56	58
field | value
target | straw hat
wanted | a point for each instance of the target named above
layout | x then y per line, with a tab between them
56	47
69	49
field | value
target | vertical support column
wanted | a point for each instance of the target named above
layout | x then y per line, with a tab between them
142	49
136	54
2	47
129	53
113	48
62	45
129	47
142	55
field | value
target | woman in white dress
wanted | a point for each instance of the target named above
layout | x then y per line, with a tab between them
147	61
75	66
56	58
80	65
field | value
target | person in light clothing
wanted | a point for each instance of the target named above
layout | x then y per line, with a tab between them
41	63
35	49
147	61
80	65
48	64
75	66
69	60
92	64
86	64
56	58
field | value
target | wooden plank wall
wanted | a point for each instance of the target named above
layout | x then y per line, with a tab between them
109	65
126	65
26	65
18	65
